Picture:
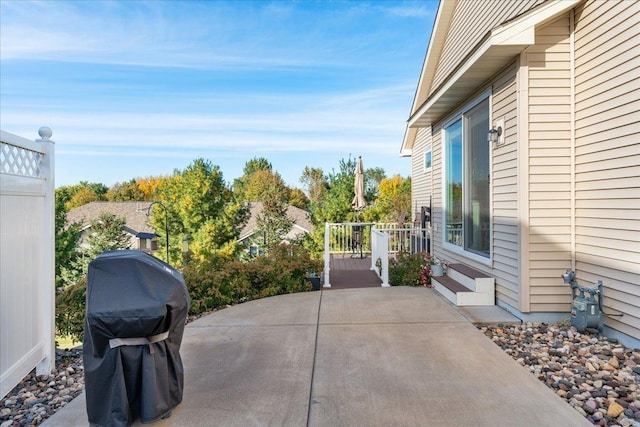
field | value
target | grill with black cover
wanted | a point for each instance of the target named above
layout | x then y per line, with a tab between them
135	317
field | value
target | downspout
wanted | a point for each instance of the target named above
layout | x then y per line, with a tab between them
572	134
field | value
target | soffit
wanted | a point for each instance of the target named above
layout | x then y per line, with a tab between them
494	52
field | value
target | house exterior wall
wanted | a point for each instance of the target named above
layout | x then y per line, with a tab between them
470	24
607	155
420	179
565	183
548	167
505	227
436	185
504	188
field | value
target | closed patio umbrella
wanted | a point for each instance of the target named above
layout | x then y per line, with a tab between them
359	202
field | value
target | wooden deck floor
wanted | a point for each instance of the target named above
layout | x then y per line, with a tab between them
349	273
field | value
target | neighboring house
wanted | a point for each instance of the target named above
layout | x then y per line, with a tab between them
559	188
252	237
136	221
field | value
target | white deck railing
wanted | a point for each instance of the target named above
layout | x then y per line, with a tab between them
454	233
27	257
381	240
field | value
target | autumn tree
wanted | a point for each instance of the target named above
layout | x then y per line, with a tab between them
148	185
264	184
81	194
394	200
125	191
315	182
258	175
257	164
195	198
298	199
220	235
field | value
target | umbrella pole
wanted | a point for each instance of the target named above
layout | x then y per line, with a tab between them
361	239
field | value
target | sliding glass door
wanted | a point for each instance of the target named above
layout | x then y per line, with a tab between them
467	180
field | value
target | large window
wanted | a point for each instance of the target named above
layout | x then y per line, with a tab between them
466	179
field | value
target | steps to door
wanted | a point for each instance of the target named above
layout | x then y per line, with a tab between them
463	286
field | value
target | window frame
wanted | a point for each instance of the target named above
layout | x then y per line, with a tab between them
450	120
427	153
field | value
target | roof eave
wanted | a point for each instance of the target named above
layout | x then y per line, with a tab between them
493	53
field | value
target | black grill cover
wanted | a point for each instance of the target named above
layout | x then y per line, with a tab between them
131	294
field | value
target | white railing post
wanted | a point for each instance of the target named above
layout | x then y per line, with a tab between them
48	324
327	254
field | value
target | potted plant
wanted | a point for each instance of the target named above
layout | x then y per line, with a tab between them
314	278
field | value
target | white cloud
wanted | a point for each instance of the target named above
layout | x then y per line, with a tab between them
141	33
411	10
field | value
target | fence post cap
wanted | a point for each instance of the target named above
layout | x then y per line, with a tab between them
45	133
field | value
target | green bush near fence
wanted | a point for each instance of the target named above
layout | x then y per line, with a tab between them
70	308
214	283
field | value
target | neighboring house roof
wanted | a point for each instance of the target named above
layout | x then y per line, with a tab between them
134	213
300	217
493	52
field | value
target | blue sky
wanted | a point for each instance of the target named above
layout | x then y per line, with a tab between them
141	88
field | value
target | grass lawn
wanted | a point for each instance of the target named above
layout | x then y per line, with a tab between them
66	342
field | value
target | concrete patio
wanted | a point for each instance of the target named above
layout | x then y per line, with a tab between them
354	357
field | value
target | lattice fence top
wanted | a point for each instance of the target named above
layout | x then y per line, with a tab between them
20	161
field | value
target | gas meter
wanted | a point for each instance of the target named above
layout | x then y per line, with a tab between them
586	303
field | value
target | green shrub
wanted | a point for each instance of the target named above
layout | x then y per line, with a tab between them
218	281
410	269
70	308
214	283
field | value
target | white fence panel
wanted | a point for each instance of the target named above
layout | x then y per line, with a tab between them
380	254
27	257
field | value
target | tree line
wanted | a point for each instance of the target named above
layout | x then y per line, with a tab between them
209	212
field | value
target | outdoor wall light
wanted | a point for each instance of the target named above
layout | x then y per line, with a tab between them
495	135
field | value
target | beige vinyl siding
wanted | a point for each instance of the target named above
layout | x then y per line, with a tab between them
505	190
436	185
549	166
472	20
420	179
607	148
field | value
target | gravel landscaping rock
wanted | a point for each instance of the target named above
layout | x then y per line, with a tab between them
36	398
597	376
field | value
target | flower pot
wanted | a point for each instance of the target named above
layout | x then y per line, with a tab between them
315	283
437	270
